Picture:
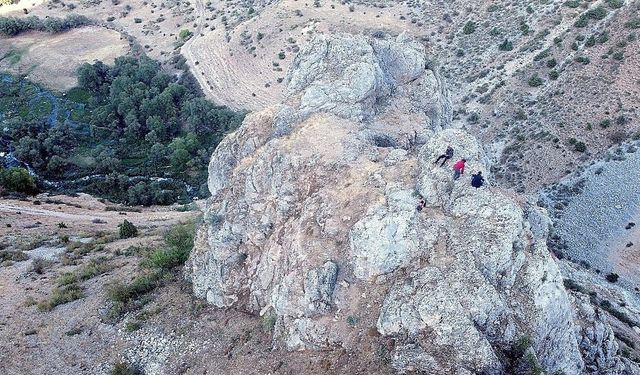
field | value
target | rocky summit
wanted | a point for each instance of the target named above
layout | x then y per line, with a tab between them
313	223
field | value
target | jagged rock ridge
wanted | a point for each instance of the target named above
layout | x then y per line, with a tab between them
313	217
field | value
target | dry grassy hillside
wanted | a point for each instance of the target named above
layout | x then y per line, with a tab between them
553	78
53	59
548	84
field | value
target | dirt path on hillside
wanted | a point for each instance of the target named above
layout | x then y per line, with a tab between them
187	48
10	208
24	223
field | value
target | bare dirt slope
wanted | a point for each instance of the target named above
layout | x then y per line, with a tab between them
596	213
169	332
32	220
19	6
242	65
152	26
54	59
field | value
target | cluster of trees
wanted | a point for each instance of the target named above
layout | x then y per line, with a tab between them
10	26
17	180
142	137
43	148
156	125
136	191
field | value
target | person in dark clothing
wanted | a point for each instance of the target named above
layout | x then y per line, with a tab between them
421	204
477	180
448	154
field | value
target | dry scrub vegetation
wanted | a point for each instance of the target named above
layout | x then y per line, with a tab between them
97	303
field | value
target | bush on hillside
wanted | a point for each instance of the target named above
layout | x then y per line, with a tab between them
127	229
506	45
469	28
18	180
535	81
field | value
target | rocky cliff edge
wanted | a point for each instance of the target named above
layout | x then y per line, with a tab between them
313	223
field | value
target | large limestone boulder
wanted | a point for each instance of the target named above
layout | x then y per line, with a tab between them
313	214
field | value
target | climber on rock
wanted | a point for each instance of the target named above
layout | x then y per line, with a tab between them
448	154
477	180
421	204
458	168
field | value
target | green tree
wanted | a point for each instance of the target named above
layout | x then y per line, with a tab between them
157	157
10	26
179	159
93	76
139	195
56	165
19	180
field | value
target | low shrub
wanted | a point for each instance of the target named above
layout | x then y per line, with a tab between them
18	180
132	326
612	277
570	284
535	81
125	293
128	297
597	13
122	368
469	28
93	268
506	45
583	60
127	229
542	55
572	3
269	321
633	23
40	265
61	295
67	278
12	256
179	242
352	320
167	258
615	4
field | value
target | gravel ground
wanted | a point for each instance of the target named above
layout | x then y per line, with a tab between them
592	210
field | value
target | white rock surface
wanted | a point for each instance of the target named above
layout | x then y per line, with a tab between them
314	204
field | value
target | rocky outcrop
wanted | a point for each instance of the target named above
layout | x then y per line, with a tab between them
598	343
313	219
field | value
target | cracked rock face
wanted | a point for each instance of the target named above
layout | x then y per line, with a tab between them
313	210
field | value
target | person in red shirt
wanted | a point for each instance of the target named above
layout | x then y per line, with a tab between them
458	168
